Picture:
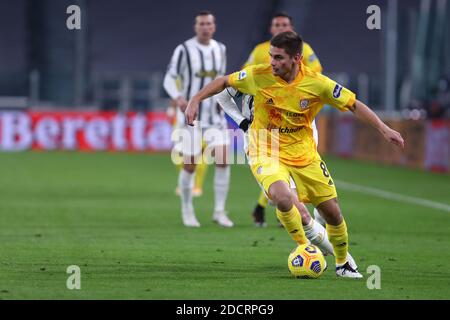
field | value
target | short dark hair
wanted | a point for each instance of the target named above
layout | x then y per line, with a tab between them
282	15
290	41
204	13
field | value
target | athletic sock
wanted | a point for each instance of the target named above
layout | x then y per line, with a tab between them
339	238
200	174
318	217
186	183
221	185
317	235
292	222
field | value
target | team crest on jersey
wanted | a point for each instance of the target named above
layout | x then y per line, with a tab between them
242	75
337	91
304	103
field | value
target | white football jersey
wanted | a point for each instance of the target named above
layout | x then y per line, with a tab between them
193	66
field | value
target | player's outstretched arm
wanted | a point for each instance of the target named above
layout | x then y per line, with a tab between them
226	102
363	113
214	87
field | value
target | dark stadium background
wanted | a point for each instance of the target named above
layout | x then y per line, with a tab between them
139	37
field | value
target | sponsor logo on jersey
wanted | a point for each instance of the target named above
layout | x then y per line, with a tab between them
275	117
284	129
337	91
290	130
242	75
207	74
304	103
296	118
294	114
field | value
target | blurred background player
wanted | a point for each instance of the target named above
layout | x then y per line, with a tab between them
281	22
197	62
201	168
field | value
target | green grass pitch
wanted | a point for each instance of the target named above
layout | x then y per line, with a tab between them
117	218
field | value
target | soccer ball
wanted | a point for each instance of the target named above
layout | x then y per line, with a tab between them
306	262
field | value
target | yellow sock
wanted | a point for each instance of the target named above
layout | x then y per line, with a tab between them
262	200
200	174
292	222
338	237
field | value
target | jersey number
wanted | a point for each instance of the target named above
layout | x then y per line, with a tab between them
324	169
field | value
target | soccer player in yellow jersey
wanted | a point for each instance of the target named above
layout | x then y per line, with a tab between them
288	96
314	227
281	22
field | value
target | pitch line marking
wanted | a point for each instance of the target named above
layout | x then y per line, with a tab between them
392	196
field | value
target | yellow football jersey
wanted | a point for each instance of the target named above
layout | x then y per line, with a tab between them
289	109
260	55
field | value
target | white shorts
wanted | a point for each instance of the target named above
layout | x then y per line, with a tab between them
189	140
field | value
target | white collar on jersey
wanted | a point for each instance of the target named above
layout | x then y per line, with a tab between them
211	43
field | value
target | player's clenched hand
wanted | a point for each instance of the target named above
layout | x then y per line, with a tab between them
190	113
393	137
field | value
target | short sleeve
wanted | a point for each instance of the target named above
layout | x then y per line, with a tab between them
243	81
336	95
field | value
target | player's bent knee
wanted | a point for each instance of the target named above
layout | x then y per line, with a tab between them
281	195
283	200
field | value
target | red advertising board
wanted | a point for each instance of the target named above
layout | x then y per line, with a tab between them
85	131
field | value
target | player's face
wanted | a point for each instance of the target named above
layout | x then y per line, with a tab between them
281	62
280	24
205	27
